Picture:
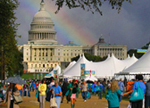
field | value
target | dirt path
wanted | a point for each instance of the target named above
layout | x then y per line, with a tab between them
94	102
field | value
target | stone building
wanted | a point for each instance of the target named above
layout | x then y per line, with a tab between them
42	53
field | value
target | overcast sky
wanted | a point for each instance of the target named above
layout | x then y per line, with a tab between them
130	27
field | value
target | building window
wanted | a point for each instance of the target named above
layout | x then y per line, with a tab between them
39	65
47	65
46	54
27	58
51	65
31	65
34	58
39	58
27	53
39	54
58	53
43	54
35	65
43	65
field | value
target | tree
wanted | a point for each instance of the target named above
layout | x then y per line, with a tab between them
90	58
134	51
90	5
10	57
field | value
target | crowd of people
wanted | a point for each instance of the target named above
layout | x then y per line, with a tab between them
55	91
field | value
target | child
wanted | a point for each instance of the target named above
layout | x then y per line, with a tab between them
112	95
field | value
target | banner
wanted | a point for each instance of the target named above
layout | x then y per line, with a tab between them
87	72
55	73
82	70
141	50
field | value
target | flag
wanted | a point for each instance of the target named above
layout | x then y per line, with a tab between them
109	34
90	73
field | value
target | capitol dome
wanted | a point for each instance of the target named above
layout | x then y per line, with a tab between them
42	15
42	28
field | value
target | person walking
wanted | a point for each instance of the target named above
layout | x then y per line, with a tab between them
64	90
101	89
11	91
121	87
33	86
74	89
112	95
84	89
104	85
147	94
138	84
42	91
56	90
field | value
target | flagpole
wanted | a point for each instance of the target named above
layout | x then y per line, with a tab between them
109	38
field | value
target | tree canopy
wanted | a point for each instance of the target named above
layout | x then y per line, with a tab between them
10	57
90	58
134	51
90	5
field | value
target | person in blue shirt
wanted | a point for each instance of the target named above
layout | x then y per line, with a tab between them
56	89
33	85
94	88
101	89
112	95
139	79
121	87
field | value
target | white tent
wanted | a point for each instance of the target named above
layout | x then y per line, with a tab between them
69	66
91	78
75	70
103	69
55	71
142	66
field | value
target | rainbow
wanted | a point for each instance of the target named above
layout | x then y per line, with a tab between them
67	29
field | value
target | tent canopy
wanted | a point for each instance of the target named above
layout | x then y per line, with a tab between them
102	69
142	66
56	69
90	78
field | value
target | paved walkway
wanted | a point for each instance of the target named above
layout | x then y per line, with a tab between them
94	102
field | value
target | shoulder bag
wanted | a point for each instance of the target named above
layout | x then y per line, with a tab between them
18	99
52	101
137	94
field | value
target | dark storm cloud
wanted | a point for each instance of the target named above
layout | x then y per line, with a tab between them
130	27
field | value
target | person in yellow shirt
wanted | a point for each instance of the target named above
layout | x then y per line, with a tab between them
42	91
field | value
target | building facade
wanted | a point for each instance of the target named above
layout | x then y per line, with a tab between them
43	53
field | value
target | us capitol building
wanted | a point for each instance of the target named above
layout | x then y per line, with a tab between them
42	52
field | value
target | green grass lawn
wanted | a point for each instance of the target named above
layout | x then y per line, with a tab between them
31	76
